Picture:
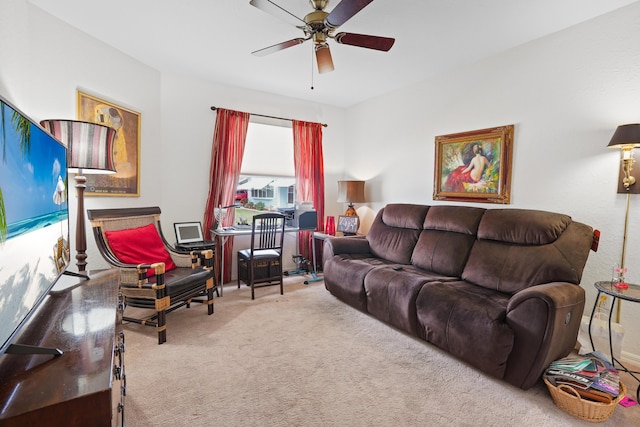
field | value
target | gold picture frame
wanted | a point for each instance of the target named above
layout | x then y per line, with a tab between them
126	155
474	166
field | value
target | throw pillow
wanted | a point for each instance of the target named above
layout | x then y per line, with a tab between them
142	245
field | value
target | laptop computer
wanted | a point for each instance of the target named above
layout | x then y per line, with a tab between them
189	236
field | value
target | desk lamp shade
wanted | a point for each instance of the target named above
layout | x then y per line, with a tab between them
351	192
89	150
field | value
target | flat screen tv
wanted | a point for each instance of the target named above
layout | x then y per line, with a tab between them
34	218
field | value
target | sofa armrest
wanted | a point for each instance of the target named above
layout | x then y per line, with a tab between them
545	320
346	245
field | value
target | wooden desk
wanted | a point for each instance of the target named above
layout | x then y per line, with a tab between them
74	389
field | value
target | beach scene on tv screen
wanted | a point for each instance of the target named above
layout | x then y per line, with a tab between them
33	216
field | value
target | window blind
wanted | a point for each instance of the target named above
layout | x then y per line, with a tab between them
268	151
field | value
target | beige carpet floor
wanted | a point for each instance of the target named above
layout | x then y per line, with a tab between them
307	359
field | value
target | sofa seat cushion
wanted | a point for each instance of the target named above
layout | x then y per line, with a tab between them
468	321
349	272
391	294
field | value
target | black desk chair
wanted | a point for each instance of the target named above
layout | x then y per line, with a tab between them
262	262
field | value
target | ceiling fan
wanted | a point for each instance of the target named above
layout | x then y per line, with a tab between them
320	26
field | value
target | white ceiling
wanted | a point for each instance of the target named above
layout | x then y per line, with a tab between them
213	39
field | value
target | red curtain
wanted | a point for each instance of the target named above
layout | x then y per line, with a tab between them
227	150
309	168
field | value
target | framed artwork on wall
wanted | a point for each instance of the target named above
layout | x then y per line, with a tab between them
474	166
126	152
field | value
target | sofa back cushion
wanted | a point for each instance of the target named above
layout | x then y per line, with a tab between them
395	231
444	245
519	248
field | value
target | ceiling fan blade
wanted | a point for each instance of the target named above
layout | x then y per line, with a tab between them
344	11
278	47
363	40
323	57
274	10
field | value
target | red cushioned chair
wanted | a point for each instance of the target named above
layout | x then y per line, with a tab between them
155	279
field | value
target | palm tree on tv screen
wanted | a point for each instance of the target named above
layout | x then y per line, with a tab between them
22	127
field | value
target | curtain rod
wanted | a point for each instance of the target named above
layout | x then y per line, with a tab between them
269	117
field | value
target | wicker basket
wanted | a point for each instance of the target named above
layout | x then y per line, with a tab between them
567	399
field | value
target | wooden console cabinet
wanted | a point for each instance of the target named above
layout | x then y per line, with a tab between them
86	385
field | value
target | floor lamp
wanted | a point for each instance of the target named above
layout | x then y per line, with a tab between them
89	150
626	138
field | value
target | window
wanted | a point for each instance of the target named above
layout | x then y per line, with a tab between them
291	194
262	193
268	151
267	175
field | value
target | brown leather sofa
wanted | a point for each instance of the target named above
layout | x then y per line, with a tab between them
497	288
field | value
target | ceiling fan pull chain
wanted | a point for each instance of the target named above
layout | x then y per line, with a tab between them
312	54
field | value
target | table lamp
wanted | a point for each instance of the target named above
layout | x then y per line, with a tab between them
351	192
89	150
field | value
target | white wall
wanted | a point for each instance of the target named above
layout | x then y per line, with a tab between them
565	93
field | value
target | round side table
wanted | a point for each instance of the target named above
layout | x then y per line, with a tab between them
631	294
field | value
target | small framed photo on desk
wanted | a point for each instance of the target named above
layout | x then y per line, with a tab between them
347	224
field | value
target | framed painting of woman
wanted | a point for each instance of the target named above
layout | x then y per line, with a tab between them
474	166
126	152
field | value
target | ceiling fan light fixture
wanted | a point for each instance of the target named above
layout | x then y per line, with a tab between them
323	57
